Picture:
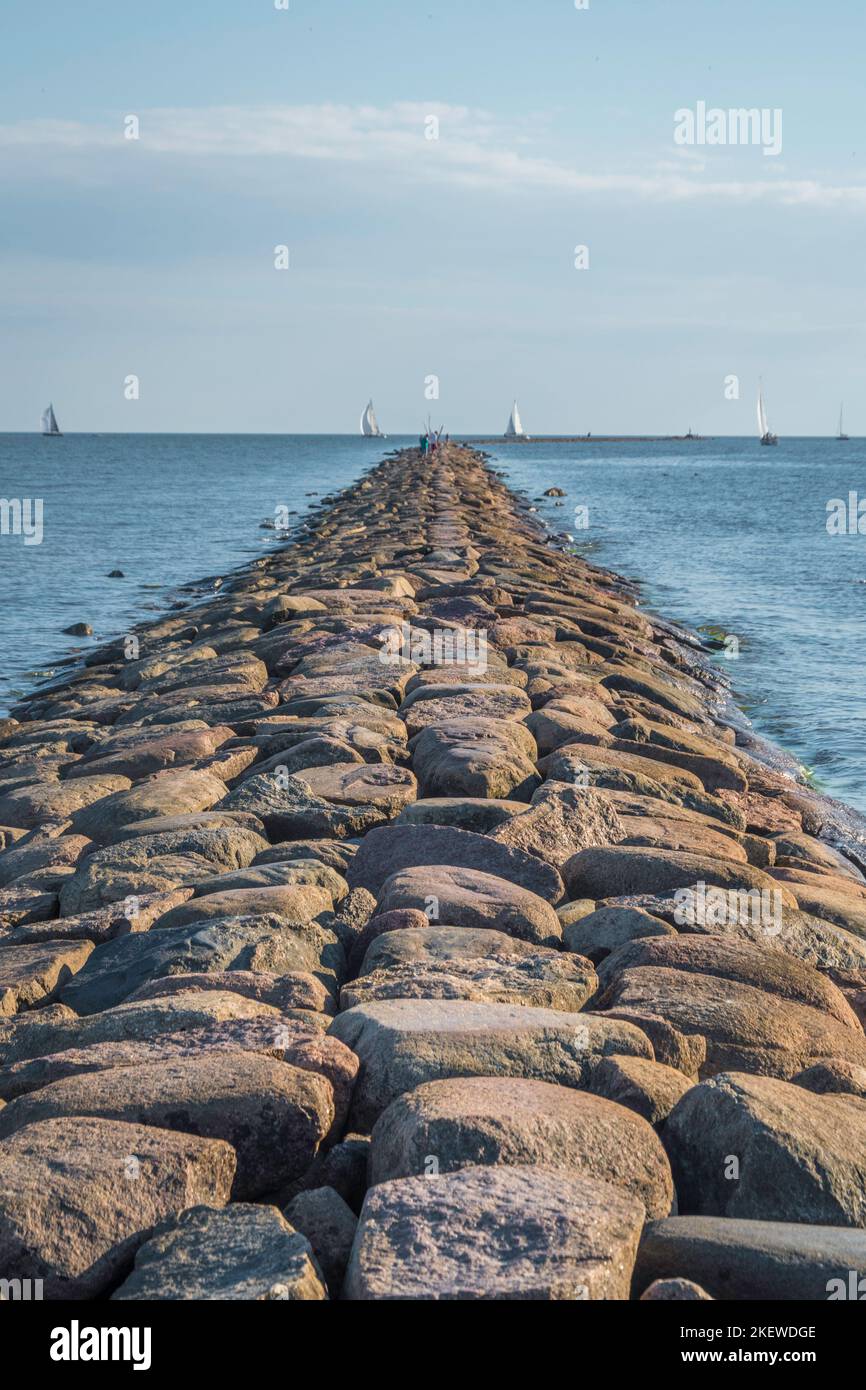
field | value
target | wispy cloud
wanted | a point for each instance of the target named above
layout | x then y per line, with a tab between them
473	150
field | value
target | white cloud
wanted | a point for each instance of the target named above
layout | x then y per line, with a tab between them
474	150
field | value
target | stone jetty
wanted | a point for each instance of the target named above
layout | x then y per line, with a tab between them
407	919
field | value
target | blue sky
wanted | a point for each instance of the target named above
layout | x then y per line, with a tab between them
413	257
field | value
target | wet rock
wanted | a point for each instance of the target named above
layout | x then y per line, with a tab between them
78	630
78	1196
495	1233
242	1252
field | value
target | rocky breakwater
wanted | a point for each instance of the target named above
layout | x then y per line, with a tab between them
405	921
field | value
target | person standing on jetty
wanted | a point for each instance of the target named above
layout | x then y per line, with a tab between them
424	442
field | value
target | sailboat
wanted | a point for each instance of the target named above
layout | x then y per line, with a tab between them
764	431
841	436
49	422
369	423
514	429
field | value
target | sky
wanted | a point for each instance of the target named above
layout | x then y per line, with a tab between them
419	264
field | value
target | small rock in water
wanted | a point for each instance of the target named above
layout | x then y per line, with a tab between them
115	574
554	492
79	630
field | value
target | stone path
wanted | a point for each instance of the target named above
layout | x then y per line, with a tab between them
403	922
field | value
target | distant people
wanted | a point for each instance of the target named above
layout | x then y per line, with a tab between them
425	444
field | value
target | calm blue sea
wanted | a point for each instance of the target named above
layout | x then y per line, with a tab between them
721	532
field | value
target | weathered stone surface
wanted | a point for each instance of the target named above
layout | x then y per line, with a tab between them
297	989
560	822
243	1252
122	966
463	812
801	1157
470	898
762	1261
329	1225
30	805
56	1028
293	1038
596	934
833	1076
77	1196
544	979
496	1120
745	1028
289	809
149	752
404	1042
730	958
429	944
611	872
476	757
274	1115
495	1233
649	1088
163	794
31	973
286	874
364	784
292	904
390	848
41	854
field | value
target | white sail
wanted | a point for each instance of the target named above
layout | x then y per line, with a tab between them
514	426
49	421
763	427
369	423
841	425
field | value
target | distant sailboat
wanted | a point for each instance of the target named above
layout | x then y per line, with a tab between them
841	436
765	433
514	429
369	423
49	422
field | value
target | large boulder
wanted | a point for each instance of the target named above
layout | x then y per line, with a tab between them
77	1197
612	872
389	848
29	974
755	1261
760	1149
471	898
404	1042
745	1028
476	757
164	794
499	1120
420	946
495	1233
33	804
274	1115
543	979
